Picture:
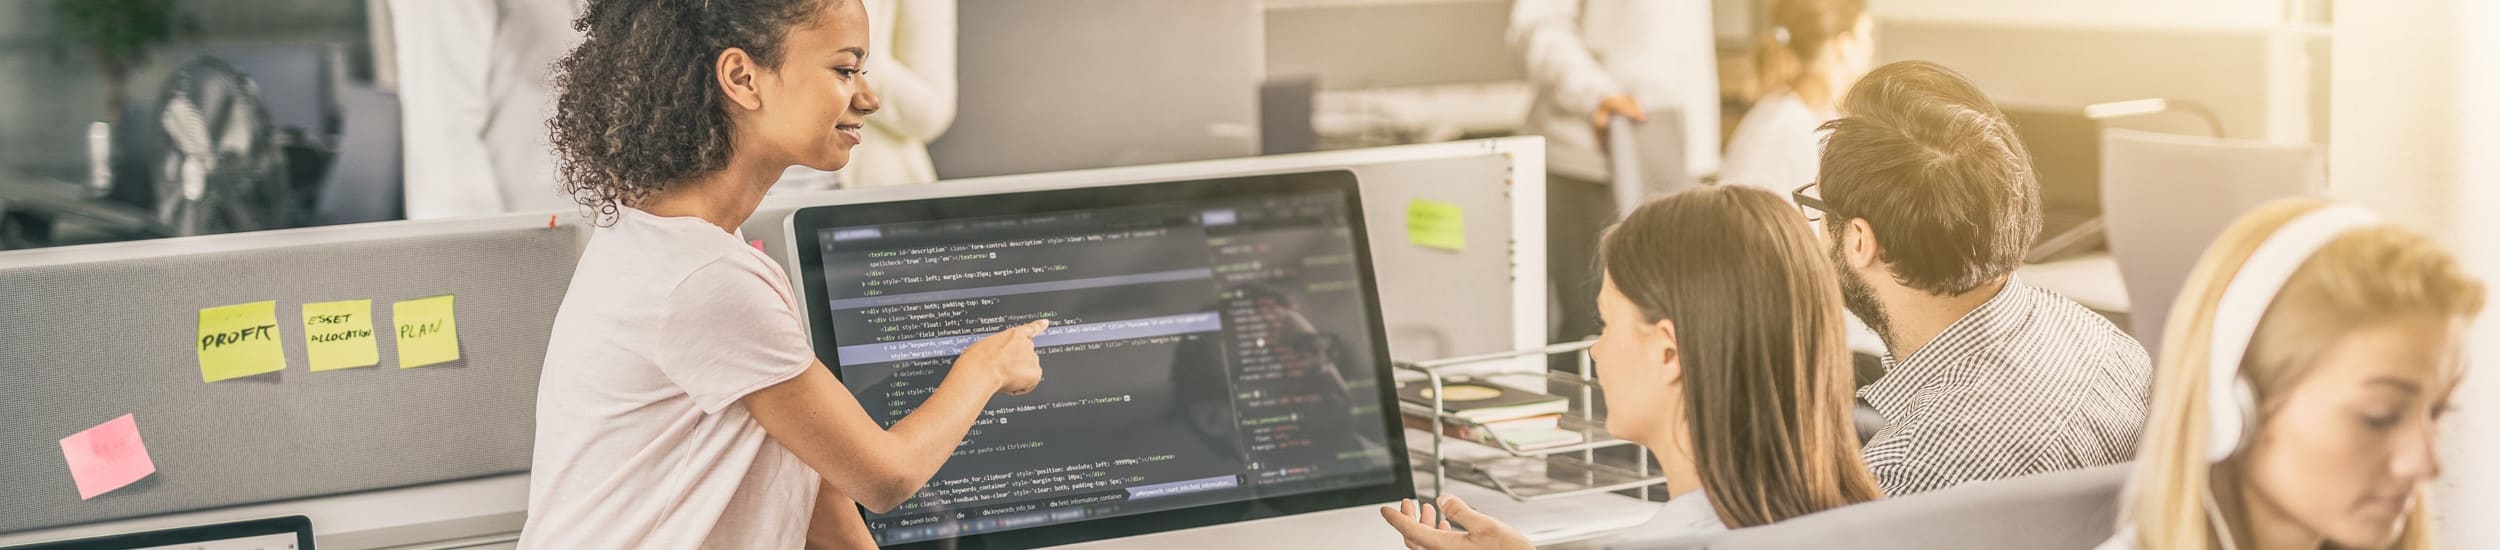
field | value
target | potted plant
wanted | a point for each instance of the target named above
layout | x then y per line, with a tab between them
119	33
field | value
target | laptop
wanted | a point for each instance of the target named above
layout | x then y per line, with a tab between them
279	533
1216	374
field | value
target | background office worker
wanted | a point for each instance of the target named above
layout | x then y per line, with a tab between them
681	405
474	101
1723	354
1593	59
2341	342
1815	51
1929	204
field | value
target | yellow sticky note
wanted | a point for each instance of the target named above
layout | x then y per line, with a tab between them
339	335
240	340
1436	224
427	333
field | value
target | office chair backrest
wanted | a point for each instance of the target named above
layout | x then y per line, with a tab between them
1646	160
364	181
1286	105
2166	197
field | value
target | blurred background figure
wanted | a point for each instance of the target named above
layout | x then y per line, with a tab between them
912	67
475	100
1589	60
1815	50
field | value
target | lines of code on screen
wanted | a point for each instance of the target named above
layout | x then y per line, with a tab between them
1200	353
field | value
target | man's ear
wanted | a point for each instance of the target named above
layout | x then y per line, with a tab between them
1858	243
1668	351
737	74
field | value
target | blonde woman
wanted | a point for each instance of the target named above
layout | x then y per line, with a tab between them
1815	51
2313	352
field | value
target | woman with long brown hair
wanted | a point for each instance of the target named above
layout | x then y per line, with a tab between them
1722	352
2302	379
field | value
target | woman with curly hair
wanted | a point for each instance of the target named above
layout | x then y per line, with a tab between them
681	405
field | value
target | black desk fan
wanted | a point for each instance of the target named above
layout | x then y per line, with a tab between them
219	167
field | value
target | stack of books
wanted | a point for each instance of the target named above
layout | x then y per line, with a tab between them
1490	414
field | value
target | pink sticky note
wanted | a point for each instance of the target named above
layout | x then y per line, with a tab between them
758	244
107	457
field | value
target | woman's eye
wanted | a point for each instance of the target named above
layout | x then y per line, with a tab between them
847	72
2379	422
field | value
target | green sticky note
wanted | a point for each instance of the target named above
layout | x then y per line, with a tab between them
240	340
339	335
427	333
1436	224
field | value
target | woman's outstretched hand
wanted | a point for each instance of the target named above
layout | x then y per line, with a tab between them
1425	530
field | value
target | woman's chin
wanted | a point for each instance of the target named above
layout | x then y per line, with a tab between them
1615	427
2363	531
830	163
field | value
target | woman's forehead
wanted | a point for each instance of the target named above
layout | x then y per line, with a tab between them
836	28
2418	355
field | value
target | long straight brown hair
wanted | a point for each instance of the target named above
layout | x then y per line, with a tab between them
1766	365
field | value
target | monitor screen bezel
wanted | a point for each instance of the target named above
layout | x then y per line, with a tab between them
807	225
300	526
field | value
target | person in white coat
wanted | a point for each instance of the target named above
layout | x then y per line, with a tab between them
915	77
1593	59
1815	50
474	100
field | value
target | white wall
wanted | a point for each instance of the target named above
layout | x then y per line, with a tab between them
2233	14
2395	105
2260	72
2473	468
2414	130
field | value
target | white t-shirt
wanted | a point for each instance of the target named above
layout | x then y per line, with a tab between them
1775	147
641	440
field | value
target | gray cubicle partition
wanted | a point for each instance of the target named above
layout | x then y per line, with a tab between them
88	334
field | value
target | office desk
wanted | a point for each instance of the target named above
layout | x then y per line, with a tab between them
1570	522
468	514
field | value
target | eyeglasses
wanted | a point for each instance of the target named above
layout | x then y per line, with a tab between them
1810	203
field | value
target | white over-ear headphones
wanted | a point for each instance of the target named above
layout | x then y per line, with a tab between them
2230	402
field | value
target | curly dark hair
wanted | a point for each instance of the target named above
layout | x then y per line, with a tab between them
636	110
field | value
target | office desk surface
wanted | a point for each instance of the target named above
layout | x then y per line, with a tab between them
1570	522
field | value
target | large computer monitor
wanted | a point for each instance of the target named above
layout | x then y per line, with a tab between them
1216	356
